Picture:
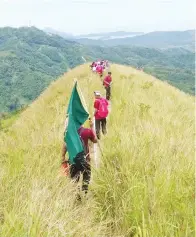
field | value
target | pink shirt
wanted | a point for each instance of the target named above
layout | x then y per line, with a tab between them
86	135
96	106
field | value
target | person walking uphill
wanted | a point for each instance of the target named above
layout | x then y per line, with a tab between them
107	84
84	166
101	113
99	70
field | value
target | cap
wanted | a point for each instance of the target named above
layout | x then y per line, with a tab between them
97	93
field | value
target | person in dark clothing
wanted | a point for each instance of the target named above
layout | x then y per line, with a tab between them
83	167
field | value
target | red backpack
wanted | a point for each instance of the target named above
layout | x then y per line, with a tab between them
103	108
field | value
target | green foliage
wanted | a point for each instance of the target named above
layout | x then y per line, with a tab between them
184	79
29	60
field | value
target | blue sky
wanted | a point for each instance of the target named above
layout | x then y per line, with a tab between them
91	16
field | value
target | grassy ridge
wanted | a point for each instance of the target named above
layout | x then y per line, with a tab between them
145	184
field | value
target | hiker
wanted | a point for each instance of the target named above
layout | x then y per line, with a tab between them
99	70
107	84
84	167
101	113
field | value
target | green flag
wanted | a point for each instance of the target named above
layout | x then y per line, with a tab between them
77	115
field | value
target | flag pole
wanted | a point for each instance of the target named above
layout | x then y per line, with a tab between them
85	105
94	144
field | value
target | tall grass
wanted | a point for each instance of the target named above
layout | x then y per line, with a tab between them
145	184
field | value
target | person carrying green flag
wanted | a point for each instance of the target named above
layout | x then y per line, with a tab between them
76	139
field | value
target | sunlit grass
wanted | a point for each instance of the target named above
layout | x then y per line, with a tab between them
145	185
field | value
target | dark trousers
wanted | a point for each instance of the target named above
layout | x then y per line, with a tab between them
85	170
108	92
100	124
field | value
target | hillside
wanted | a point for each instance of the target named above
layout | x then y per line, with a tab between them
30	59
160	39
60	33
145	184
157	39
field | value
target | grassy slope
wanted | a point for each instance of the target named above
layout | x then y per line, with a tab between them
145	185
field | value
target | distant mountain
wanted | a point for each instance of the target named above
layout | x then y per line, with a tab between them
157	39
102	36
109	35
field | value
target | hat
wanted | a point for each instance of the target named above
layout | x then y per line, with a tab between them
97	93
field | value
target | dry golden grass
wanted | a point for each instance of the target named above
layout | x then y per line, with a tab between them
145	184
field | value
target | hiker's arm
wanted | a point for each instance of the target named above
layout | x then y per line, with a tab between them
64	151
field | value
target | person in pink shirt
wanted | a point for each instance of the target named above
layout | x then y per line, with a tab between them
99	70
101	113
107	84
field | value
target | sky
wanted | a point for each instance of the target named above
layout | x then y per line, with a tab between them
93	16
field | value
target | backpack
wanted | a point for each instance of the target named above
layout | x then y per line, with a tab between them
103	109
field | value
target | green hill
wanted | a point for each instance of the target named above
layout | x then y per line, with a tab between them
30	59
145	184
